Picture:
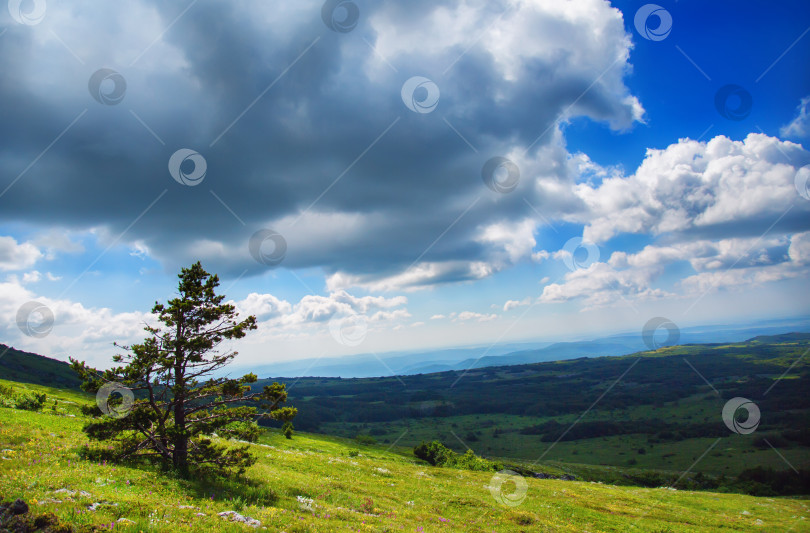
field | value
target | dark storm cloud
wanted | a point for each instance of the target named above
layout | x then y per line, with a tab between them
316	121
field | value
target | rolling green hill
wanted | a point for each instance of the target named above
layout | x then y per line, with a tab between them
659	409
25	367
325	484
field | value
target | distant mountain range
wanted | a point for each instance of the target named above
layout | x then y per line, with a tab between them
442	360
17	365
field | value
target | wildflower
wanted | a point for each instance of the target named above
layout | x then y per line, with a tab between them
305	504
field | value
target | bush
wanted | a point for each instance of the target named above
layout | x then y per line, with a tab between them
27	401
437	454
287	429
433	452
365	439
470	461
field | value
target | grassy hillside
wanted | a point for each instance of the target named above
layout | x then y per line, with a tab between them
658	409
26	367
352	488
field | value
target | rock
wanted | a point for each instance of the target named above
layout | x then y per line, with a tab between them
568	477
123	520
746	513
233	516
18	507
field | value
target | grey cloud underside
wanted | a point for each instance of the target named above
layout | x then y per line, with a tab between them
297	139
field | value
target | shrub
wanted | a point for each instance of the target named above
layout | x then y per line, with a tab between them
27	401
365	439
433	452
287	429
437	454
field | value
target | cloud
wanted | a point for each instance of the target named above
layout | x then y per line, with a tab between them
514	304
31	277
798	127
721	264
273	313
327	154
465	316
720	187
78	331
17	256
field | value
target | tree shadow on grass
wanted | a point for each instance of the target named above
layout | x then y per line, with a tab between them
201	483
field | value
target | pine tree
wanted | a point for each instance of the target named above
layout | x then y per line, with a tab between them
177	406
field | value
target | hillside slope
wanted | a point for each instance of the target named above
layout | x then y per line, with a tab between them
26	367
659	409
316	483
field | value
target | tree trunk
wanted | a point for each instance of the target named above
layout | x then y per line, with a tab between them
180	453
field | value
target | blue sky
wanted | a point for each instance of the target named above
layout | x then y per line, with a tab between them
393	239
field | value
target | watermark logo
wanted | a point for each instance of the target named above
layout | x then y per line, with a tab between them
116	411
420	95
650	333
501	175
107	86
572	256
349	330
31	17
340	15
187	167
733	102
268	247
802	182
741	427
35	319
508	479
653	22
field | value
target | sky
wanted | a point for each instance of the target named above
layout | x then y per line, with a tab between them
375	176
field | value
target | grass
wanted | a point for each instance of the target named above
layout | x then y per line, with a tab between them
352	487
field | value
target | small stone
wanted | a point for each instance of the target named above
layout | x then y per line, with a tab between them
746	513
123	520
233	516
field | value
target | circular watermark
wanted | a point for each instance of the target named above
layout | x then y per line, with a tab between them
35	319
501	175
653	326
268	247
340	15
115	411
348	330
107	86
510	498
741	427
573	257
179	164
653	22
31	17
802	182
420	95
733	102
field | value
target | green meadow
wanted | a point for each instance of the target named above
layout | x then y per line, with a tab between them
321	484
